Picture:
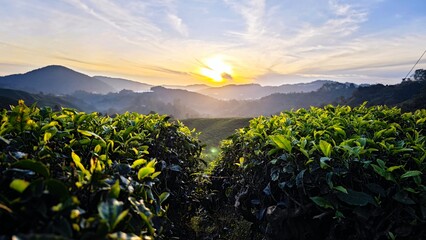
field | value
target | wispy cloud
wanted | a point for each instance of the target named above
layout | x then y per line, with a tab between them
253	12
178	24
165	70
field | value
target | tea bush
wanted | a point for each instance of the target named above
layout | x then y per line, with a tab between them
328	173
70	174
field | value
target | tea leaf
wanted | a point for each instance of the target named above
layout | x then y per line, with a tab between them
34	166
281	142
341	189
325	148
393	168
411	174
138	162
163	197
19	185
322	202
355	198
114	192
144	172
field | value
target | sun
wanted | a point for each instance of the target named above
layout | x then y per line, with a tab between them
216	69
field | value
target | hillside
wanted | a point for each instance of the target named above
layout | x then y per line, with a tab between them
213	130
275	103
410	95
124	84
10	97
54	80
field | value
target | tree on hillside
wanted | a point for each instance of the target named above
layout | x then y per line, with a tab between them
419	75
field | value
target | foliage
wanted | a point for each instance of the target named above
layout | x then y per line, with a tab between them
332	172
419	75
408	95
70	174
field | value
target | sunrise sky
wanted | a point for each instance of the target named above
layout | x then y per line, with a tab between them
216	42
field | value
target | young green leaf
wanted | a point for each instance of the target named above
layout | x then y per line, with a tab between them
138	162
393	168
77	162
114	192
19	185
163	197
91	134
144	172
341	189
325	148
281	142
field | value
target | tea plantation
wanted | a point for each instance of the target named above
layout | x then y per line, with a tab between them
74	175
329	173
318	173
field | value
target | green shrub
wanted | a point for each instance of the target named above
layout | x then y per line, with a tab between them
329	173
70	174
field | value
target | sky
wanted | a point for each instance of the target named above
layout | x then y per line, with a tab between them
216	42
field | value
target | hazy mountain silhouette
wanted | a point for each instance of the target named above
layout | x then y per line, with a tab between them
54	79
256	91
124	84
88	94
61	80
176	102
185	104
329	93
10	97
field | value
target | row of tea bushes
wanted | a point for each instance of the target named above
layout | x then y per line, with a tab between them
329	173
70	174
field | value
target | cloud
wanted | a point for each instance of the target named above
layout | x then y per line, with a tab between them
227	76
253	12
178	24
69	59
120	16
165	70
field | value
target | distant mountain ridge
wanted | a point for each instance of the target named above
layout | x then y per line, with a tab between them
256	91
60	86
54	79
60	80
185	104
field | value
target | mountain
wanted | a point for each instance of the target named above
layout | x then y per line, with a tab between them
256	91
60	80
329	93
65	87
184	104
124	84
54	79
177	102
